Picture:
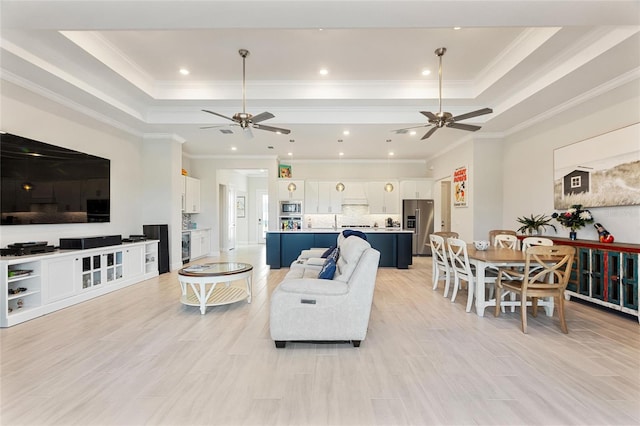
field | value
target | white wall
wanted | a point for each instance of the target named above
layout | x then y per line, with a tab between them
54	124
528	162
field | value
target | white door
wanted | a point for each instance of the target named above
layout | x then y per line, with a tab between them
231	205
262	215
445	206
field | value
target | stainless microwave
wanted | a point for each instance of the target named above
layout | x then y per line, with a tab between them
288	207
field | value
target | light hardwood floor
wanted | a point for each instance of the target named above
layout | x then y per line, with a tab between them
138	356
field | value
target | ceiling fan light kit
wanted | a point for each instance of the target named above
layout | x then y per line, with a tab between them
243	119
442	118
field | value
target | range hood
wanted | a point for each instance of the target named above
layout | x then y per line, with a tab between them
355	202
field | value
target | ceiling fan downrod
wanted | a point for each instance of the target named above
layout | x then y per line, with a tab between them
440	52
244	53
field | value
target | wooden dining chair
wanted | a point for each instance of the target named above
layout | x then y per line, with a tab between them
462	270
506	241
540	278
494	232
441	266
535	241
447	234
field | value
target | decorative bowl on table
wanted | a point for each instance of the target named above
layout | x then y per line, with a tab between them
481	244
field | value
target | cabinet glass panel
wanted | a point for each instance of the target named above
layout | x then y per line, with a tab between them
597	274
86	280
110	274
630	280
96	261
110	257
572	285
118	258
585	272
86	264
118	272
97	279
613	278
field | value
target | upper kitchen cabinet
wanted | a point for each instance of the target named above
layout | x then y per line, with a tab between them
420	189
322	197
190	195
289	190
381	201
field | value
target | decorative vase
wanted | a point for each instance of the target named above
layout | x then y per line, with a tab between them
573	235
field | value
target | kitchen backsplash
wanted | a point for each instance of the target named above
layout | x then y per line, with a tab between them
352	215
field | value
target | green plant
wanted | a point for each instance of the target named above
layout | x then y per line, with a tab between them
533	223
574	218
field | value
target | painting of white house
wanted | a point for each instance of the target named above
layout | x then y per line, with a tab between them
602	171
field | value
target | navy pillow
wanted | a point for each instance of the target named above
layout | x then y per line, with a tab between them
328	252
348	232
328	270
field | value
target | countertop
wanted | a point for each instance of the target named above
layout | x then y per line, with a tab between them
331	230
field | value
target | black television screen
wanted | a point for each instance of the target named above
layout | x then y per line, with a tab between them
44	184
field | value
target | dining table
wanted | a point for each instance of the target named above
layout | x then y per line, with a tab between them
498	257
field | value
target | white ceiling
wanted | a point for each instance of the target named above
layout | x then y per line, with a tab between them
118	62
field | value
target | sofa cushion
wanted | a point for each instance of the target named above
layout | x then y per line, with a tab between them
328	252
328	270
313	287
349	232
351	250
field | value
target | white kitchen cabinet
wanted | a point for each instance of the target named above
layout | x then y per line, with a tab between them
420	189
283	190
381	201
134	262
322	197
200	243
60	279
191	195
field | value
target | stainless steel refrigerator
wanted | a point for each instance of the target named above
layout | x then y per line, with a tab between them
417	216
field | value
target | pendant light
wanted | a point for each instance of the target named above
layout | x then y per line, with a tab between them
388	187
340	186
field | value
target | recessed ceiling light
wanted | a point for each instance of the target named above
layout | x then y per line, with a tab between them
456	28
391	154
289	154
323	71
346	132
341	154
233	148
426	72
413	132
184	71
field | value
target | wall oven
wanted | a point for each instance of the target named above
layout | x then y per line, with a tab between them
290	207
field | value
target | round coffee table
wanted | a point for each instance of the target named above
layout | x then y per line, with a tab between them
204	279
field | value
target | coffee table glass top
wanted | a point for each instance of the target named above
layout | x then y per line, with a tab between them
216	269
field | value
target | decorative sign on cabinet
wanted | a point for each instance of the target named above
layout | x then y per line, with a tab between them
40	284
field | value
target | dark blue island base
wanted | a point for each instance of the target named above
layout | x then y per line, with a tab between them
284	247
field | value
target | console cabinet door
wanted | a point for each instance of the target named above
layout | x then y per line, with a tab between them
133	262
60	278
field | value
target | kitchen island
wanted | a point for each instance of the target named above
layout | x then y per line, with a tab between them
394	245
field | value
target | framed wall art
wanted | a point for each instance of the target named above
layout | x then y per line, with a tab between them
602	171
461	187
284	171
240	206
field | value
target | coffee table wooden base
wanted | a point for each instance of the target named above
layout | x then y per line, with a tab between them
219	296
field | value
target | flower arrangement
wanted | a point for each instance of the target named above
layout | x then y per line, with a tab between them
574	218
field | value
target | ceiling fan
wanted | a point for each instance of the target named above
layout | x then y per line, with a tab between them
243	119
446	119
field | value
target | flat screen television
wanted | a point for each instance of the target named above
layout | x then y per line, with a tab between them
46	184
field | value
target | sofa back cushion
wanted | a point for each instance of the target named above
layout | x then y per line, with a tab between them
351	249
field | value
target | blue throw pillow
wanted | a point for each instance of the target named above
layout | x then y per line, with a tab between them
328	269
328	252
348	232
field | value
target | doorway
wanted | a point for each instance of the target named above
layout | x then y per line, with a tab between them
262	215
445	206
227	217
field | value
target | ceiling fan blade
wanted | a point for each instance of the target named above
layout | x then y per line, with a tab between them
463	126
219	115
429	133
429	115
272	129
482	111
261	117
213	127
403	131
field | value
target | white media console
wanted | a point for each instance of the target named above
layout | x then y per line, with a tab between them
35	285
